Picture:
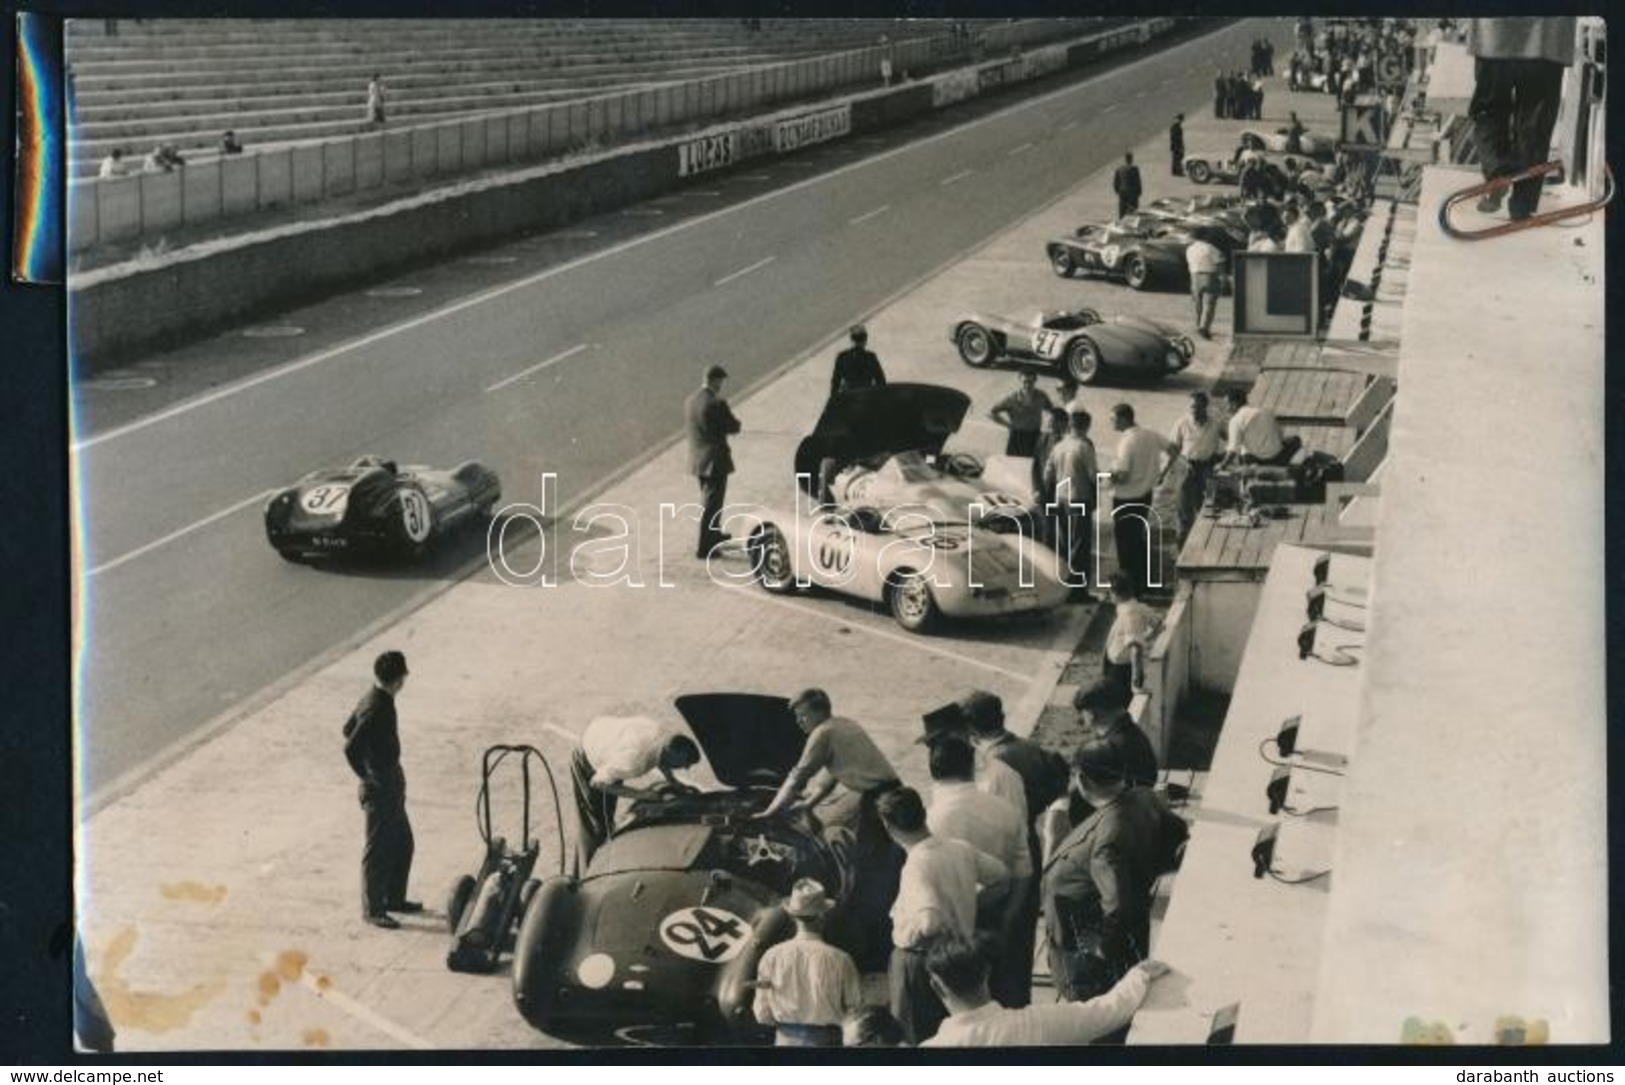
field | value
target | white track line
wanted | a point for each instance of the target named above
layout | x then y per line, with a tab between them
258	498
539	366
367	1015
742	272
1109	108
1023	149
187	406
954	179
867	215
1068	126
914	642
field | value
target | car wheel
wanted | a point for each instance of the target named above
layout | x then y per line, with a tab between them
462	891
912	604
770	557
1198	172
414	520
1061	261
1083	361
975	346
1137	271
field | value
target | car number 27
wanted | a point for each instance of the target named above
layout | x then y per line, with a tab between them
1047	344
704	934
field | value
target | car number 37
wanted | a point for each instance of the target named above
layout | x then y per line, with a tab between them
704	934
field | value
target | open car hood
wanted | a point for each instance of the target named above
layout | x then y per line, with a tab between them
868	422
747	737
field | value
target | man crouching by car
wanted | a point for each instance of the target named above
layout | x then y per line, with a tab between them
614	751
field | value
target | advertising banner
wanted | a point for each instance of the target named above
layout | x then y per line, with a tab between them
812	128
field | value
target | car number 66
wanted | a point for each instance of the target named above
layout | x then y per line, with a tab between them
704	934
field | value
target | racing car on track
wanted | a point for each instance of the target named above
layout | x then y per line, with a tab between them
1079	341
659	938
375	507
883	448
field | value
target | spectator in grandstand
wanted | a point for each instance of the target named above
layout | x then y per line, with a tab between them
805	987
1176	144
1133	629
856	366
1126	183
1196	438
1255	435
936	897
1022	412
114	165
1096	887
1206	264
229	143
960	975
872	1026
1518	80
375	99
164	158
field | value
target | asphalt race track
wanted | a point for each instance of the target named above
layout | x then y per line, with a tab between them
577	368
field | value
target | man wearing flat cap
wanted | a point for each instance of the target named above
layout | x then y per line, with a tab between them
856	366
710	423
805	988
1096	886
840	752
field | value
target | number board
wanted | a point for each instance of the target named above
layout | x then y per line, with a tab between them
712	935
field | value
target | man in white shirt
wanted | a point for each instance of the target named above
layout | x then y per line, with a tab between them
936	897
962	811
1254	433
1206	264
1196	435
805	988
1298	237
615	751
1139	465
114	165
958	973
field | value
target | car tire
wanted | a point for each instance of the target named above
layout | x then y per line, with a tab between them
1060	261
1199	172
1137	271
1083	360
414	520
911	603
770	557
976	346
462	891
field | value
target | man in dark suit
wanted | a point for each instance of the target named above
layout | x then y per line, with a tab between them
1126	183
1096	887
1176	144
856	366
372	745
710	423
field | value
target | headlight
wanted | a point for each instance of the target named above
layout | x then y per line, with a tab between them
1175	360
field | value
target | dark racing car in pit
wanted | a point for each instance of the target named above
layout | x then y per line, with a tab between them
659	938
377	508
1079	342
1144	250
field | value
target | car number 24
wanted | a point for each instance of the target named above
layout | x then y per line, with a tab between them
712	935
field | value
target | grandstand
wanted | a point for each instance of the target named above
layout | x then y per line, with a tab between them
277	81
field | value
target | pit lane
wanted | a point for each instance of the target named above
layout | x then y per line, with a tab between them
493	662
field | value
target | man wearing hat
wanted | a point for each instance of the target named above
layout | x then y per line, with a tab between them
840	752
710	424
372	745
806	987
1096	886
856	366
1043	778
